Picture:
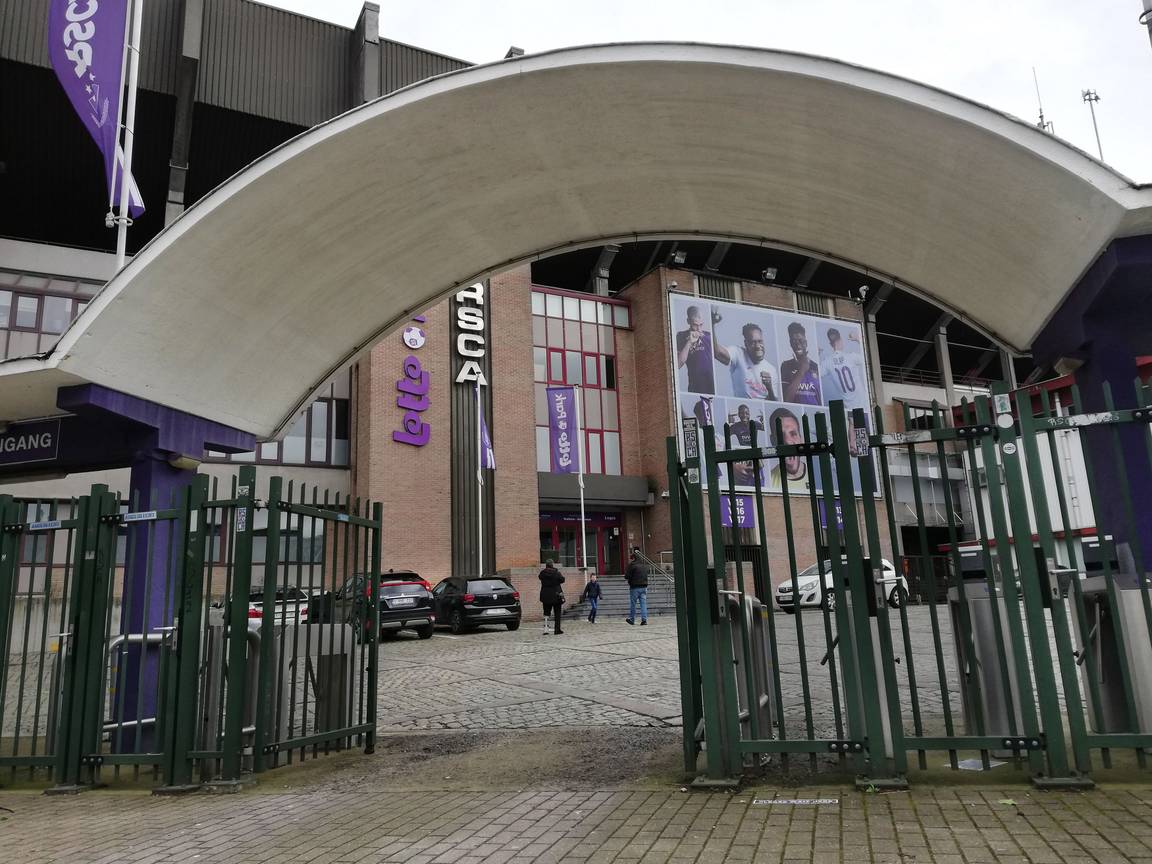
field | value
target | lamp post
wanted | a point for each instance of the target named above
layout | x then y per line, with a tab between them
1092	97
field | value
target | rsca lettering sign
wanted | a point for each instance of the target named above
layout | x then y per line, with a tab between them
471	346
30	442
413	390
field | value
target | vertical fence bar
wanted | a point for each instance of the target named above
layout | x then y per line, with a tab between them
266	690
374	651
236	609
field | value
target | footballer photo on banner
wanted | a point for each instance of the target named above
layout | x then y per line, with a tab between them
746	426
799	368
692	344
744	349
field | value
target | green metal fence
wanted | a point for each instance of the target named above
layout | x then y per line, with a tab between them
185	645
1018	653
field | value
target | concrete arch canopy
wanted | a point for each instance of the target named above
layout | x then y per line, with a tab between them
256	294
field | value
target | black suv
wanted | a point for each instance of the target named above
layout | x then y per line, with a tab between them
405	603
463	604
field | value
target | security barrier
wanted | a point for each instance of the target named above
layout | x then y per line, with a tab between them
150	642
1022	648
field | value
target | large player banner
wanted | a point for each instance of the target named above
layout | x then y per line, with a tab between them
86	47
756	369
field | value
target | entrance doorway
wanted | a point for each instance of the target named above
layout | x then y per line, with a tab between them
604	535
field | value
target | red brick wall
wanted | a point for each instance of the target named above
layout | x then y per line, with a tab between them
412	482
514	420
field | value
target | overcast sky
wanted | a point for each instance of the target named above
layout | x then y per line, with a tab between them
981	49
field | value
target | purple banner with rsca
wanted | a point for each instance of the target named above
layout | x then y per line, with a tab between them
86	45
30	442
745	512
562	429
824	514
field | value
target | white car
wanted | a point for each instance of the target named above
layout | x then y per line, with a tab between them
810	593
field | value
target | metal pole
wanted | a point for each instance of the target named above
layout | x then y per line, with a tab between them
479	489
110	217
1092	97
580	457
129	129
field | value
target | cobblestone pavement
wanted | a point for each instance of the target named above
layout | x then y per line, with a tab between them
925	826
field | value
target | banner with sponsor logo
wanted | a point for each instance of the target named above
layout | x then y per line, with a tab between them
742	516
86	48
769	374
562	430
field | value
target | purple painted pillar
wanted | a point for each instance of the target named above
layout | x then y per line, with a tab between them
1104	324
151	437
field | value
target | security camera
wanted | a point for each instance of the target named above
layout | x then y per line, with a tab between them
769	274
863	292
672	286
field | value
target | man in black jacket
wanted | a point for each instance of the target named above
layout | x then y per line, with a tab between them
551	595
637	576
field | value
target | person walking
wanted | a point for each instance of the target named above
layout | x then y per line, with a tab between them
591	595
552	595
637	576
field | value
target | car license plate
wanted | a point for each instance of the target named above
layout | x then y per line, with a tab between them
494	612
402	601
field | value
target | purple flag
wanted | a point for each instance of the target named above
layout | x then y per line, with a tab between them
562	429
86	46
487	454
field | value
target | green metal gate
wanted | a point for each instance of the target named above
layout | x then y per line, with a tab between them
1023	658
151	642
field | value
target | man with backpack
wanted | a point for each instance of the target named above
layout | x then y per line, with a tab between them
637	576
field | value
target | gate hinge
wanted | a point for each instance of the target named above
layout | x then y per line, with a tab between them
1144	414
269	749
977	431
846	747
14	528
95	759
111	518
813	448
1027	742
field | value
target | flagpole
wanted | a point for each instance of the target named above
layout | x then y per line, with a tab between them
110	218
479	486
133	49
580	458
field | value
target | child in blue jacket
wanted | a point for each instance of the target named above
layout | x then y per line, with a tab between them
592	593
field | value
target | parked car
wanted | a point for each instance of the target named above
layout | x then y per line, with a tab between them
462	604
292	606
812	591
405	603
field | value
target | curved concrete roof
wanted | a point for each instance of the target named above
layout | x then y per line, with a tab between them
254	296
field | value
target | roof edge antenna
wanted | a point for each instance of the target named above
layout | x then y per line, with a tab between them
1047	125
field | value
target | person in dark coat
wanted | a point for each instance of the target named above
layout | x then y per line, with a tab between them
551	595
637	576
592	594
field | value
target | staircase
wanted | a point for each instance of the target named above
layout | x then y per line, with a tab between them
614	603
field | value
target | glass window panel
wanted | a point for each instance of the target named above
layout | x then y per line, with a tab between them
26	311
603	313
270	451
620	315
5	307
607	341
572	334
573	366
342	385
611	453
538	305
57	315
294	443
555	333
540	364
591	370
610	412
556	366
340	452
318	445
608	372
543	457
250	456
591	418
48	341
555	305
588	333
23	344
542	404
572	308
595	463
588	310
80	307
341	410
539	330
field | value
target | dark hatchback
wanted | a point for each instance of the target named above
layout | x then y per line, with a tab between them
405	603
463	604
